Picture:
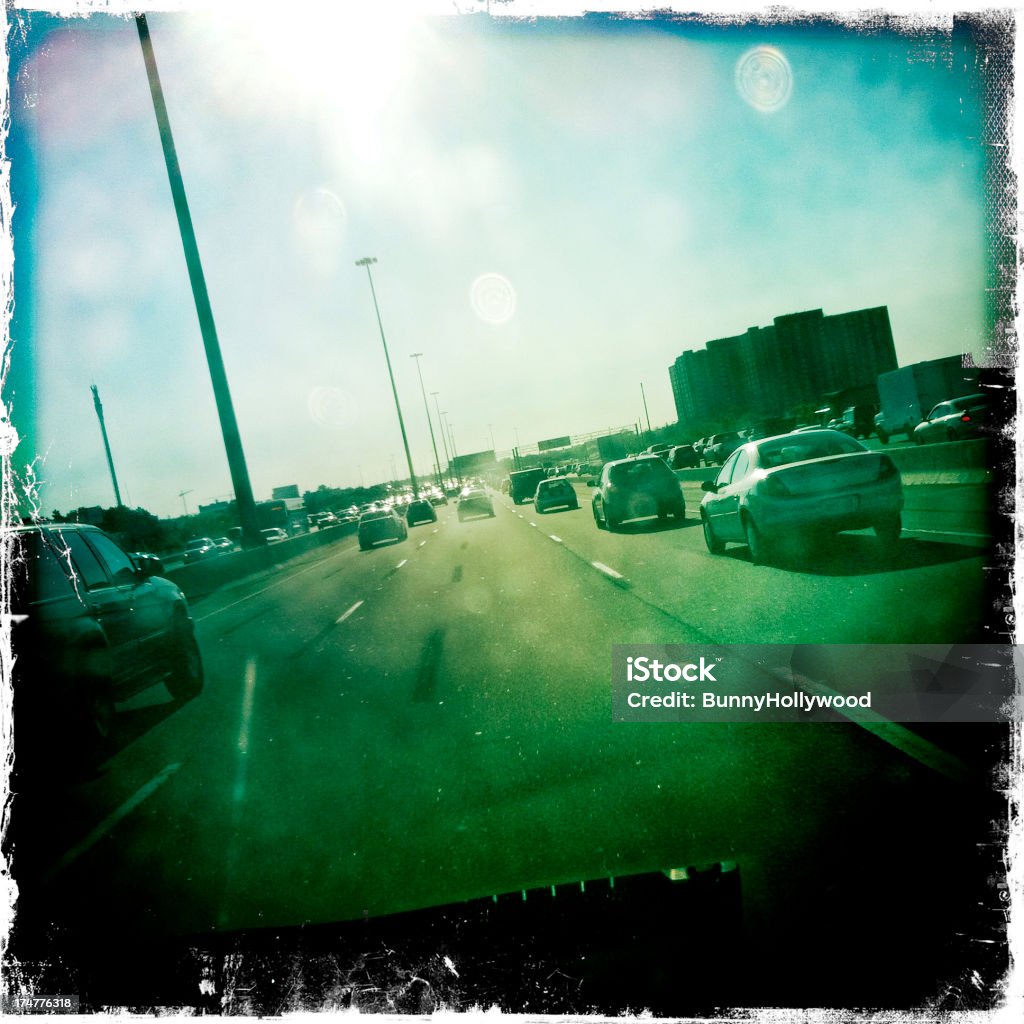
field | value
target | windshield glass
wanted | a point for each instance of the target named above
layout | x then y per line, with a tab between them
275	267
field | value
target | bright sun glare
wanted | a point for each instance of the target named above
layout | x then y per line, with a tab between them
350	56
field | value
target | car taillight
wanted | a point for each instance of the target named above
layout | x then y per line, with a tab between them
966	418
887	468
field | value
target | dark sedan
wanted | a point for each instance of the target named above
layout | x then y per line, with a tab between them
420	511
99	627
635	488
475	501
381	524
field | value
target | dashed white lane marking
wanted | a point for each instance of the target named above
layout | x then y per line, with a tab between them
352	610
607	570
557	540
422	542
533	524
113	819
401	563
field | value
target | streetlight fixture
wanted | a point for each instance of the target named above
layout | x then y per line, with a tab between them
437	461
366	261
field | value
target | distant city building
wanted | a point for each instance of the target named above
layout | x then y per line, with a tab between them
217	508
770	371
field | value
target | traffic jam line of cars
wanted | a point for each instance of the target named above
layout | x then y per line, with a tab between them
774	495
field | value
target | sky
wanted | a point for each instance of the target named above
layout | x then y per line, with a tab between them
558	206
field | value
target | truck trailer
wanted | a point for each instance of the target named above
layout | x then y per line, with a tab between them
908	394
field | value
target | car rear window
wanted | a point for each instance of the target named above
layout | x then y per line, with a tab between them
639	472
801	447
971	402
37	573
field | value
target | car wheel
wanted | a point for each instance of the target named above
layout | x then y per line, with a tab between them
883	437
186	678
888	531
715	546
611	524
760	552
363	547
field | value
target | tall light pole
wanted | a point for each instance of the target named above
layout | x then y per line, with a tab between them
490	430
106	444
365	262
240	482
437	461
437	406
646	413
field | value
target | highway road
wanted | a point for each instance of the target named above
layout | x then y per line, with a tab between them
430	721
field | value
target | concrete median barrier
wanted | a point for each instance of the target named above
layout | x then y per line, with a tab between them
203	578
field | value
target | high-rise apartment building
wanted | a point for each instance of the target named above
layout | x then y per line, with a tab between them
770	371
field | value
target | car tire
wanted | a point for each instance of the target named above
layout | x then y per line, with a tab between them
760	550
186	679
611	524
715	546
883	437
888	531
597	519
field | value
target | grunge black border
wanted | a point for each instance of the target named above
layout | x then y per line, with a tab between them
281	971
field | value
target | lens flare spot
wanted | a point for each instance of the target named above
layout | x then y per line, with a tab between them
331	408
493	298
319	220
764	79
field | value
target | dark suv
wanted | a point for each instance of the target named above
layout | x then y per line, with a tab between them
634	488
98	627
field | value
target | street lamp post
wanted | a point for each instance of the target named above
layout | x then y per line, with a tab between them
444	441
646	413
423	390
366	261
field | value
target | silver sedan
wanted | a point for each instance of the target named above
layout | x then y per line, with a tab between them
795	485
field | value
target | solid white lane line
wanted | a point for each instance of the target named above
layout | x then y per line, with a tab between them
345	615
401	563
601	567
278	583
557	540
948	533
113	819
896	735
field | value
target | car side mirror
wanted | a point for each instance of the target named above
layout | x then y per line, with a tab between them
710	486
147	566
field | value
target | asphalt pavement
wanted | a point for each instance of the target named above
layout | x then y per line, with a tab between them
430	721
